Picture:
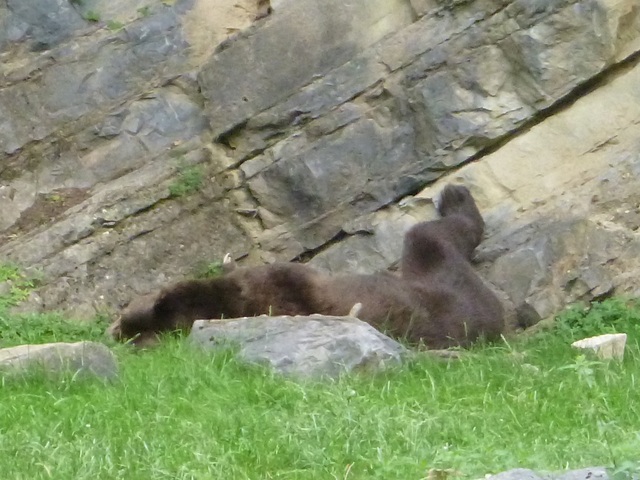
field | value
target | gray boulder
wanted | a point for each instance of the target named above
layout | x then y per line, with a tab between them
302	346
83	358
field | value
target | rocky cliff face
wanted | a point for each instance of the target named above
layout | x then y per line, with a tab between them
138	141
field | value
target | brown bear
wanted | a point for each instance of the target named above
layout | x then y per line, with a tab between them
438	299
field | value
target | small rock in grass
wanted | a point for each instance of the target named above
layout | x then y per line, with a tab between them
83	358
606	346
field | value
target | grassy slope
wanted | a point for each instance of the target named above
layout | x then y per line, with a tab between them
179	413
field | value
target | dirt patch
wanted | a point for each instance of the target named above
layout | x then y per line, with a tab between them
47	208
210	22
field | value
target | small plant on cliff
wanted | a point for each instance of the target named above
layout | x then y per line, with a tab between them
144	11
14	286
189	180
114	25
92	16
209	270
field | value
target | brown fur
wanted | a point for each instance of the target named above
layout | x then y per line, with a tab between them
438	299
138	316
436	262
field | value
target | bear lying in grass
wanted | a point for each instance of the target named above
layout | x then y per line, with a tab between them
437	300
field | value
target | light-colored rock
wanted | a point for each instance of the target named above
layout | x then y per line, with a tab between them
81	358
210	22
302	346
606	347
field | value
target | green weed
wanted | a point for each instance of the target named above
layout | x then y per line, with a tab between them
114	25
144	11
609	316
14	286
188	181
92	16
209	270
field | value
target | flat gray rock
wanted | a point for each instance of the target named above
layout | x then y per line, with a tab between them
83	358
310	346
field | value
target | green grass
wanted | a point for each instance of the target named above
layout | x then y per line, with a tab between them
180	413
189	180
